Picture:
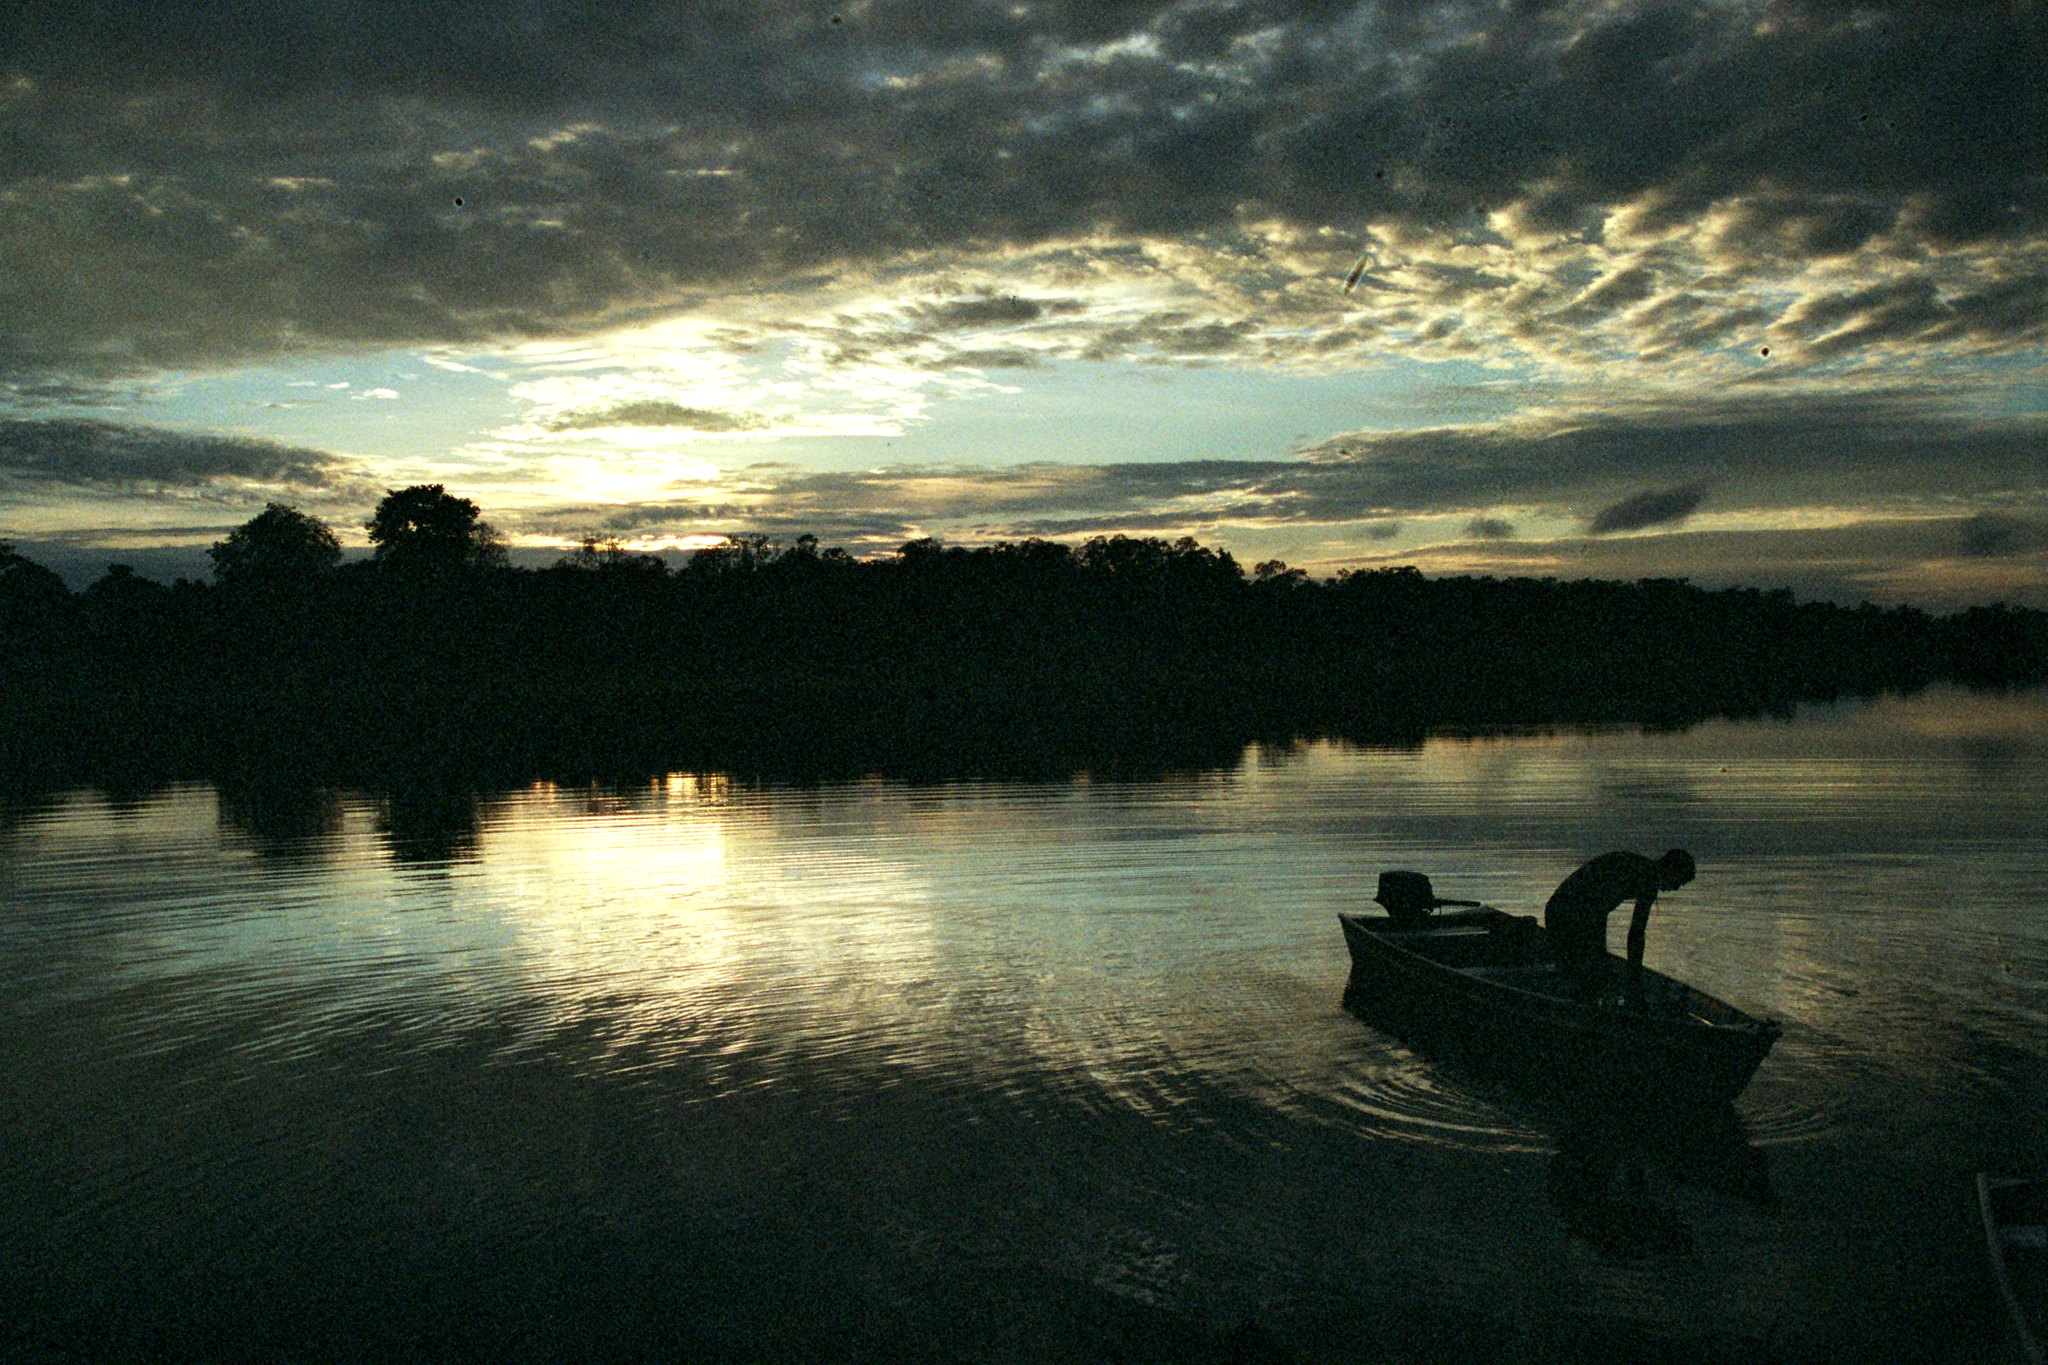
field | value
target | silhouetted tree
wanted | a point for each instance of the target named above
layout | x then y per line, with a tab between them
28	591
923	555
736	555
126	614
609	555
427	528
119	589
1011	657
1124	556
278	546
1274	573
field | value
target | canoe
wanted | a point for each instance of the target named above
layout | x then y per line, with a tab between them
2016	1229
1481	985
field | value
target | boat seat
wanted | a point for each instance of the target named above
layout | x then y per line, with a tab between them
1436	931
1450	919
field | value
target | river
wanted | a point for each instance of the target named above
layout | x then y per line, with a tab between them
707	1069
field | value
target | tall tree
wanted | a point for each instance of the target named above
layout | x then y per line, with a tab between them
28	591
425	528
279	545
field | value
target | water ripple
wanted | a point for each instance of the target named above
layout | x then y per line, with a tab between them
962	1036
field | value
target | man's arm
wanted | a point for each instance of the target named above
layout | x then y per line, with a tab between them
1637	924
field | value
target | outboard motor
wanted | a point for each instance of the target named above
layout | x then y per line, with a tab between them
1407	896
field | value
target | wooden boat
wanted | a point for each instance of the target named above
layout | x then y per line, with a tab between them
2016	1229
1482	986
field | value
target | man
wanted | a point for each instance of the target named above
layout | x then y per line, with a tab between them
1576	916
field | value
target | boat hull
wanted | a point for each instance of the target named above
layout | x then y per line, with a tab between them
2016	1227
1479	987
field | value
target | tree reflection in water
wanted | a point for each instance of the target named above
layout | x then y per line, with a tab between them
426	823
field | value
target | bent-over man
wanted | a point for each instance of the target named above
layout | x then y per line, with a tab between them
1576	916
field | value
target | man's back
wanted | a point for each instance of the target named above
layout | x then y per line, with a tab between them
1577	913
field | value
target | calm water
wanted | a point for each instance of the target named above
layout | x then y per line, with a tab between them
1007	1072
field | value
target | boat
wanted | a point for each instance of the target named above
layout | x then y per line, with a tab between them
2016	1229
1481	986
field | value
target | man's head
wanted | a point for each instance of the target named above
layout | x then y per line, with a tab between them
1674	870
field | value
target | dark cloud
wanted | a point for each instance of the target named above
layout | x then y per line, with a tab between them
889	505
1171	336
1852	563
1632	284
1655	508
1687	328
81	559
1004	310
1643	195
991	358
1879	559
1991	536
1815	226
1835	323
1883	559
1758	452
107	454
1761	459
656	412
196	182
57	391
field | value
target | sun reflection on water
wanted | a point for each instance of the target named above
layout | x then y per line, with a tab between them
1089	1029
1137	942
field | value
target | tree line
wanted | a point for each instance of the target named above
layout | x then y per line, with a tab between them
435	657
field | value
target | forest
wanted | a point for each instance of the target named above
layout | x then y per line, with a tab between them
433	658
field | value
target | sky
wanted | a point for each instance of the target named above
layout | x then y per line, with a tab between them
1742	291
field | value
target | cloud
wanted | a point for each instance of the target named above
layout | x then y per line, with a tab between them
1890	559
993	311
1616	289
1991	536
1171	336
990	358
58	391
1881	559
1654	508
211	182
1916	308
656	413
888	506
1526	480
87	453
1627	203
1821	460
1760	452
